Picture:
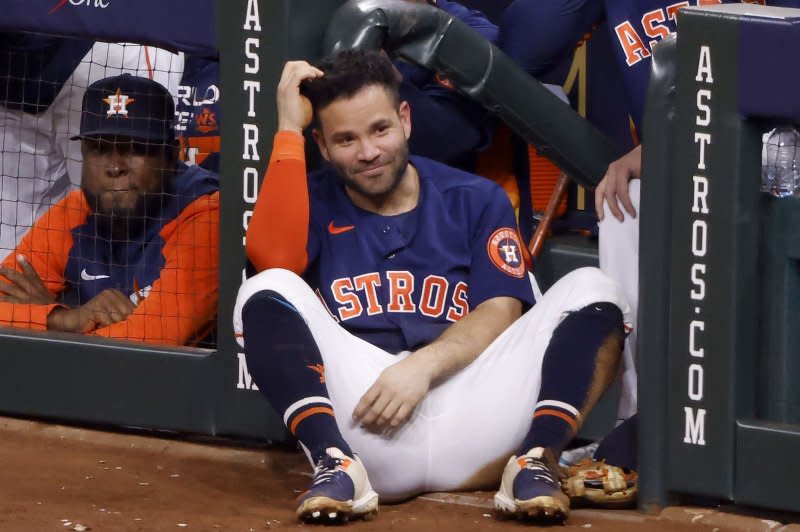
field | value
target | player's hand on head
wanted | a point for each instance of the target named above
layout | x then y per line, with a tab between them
613	189
391	400
294	109
25	287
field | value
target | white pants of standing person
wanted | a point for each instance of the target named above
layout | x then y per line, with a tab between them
619	259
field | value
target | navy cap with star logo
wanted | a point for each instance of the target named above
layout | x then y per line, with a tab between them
128	106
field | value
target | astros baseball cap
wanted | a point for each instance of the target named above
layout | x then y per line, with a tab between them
128	106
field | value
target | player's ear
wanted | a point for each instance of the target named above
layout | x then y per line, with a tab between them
404	112
320	140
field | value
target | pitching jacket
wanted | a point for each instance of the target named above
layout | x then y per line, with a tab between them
169	271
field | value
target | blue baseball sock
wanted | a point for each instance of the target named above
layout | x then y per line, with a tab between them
286	365
568	371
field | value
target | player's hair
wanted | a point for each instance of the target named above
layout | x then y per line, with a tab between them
347	73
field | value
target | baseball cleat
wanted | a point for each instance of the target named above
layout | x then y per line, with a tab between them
530	489
598	484
339	492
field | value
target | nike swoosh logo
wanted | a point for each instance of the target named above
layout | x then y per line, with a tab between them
332	229
87	277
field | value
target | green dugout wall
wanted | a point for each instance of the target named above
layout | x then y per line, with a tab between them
719	309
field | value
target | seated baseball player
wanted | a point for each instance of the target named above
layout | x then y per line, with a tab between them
394	325
132	255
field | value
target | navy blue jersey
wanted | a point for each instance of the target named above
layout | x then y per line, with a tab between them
399	281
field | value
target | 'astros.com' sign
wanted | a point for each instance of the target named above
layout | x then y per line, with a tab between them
694	417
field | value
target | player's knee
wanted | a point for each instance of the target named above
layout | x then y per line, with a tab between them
263	307
277	280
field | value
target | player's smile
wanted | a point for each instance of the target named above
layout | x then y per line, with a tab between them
374	171
365	137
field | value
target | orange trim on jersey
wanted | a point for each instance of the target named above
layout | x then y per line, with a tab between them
308	413
277	234
557	413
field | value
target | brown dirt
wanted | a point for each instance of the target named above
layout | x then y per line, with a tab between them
56	477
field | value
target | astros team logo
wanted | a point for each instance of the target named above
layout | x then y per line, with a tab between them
118	104
505	252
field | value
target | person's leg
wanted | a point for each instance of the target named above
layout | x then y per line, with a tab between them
287	366
275	314
619	259
482	414
580	362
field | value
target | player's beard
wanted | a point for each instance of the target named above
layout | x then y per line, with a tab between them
125	223
397	170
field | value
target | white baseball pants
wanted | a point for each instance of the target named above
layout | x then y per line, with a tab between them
462	433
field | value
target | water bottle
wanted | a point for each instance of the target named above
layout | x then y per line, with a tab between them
780	162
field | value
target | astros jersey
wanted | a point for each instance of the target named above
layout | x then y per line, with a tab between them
398	281
635	27
169	271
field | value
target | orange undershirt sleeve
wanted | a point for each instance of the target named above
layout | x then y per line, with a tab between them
277	236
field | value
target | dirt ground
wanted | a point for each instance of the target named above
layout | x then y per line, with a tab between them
66	478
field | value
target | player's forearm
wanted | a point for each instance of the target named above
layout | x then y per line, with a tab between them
465	340
278	231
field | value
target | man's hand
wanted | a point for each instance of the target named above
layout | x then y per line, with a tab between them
614	186
294	109
106	308
24	287
390	401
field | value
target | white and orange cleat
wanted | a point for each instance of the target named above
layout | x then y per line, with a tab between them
531	490
340	491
